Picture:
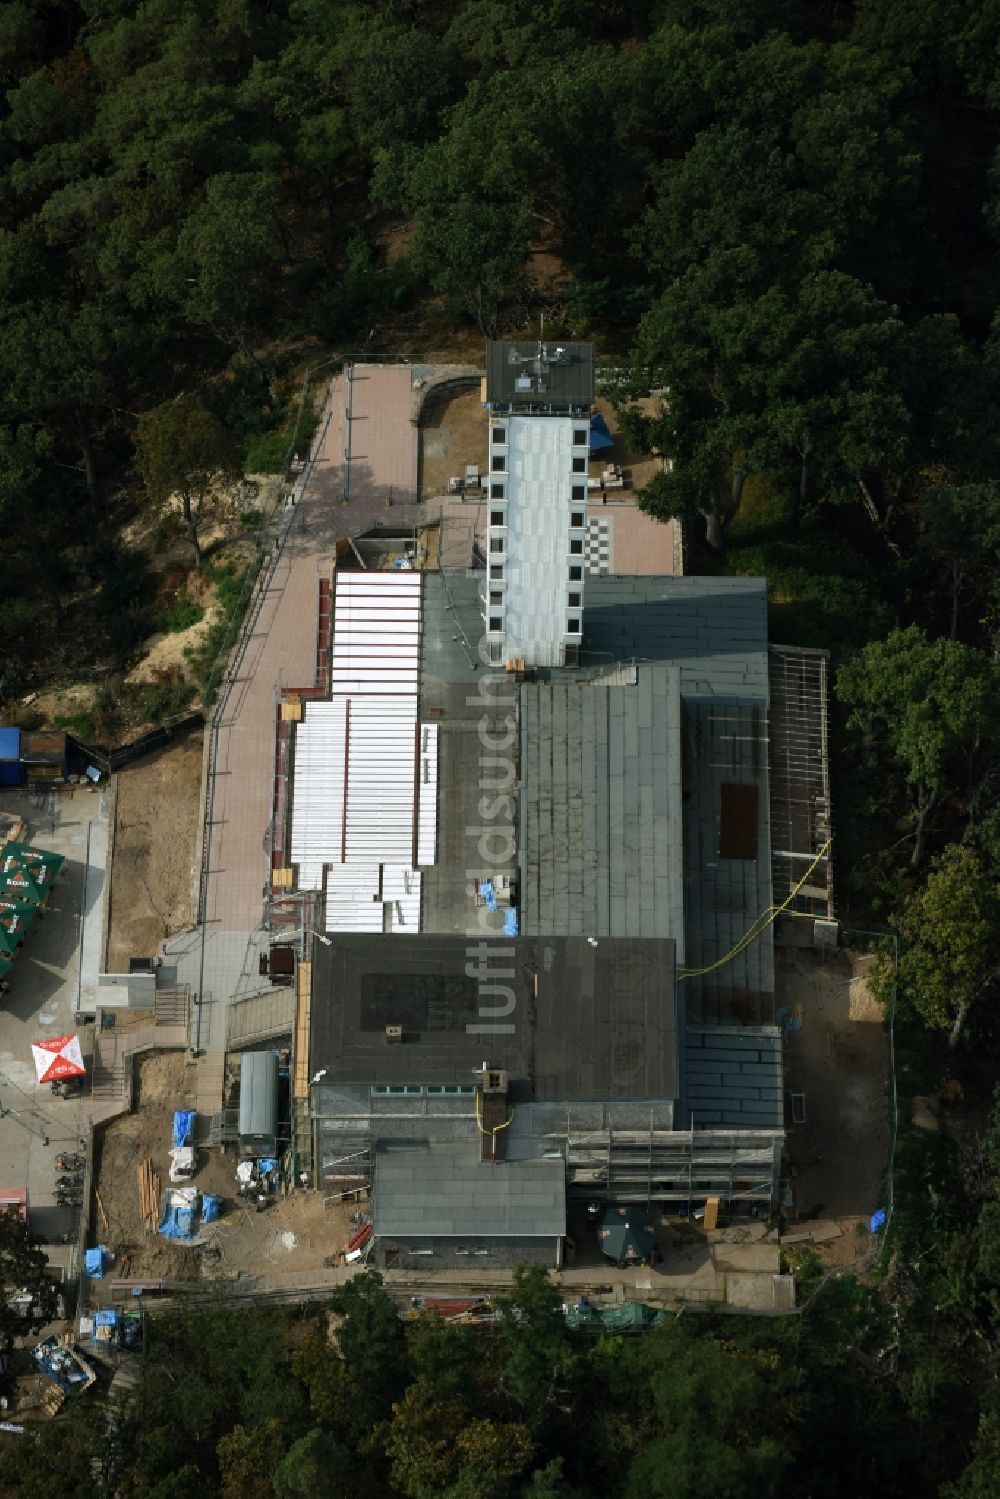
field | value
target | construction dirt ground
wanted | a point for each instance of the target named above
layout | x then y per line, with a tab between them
837	1063
453	433
155	837
295	1233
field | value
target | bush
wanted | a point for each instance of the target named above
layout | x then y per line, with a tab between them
266	453
158	701
180	615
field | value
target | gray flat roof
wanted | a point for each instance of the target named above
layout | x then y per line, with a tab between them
552	376
732	1076
713	633
585	1023
601	813
445	1191
713	629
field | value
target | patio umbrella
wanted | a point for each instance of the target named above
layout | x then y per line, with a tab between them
13	925
38	863
58	1059
626	1234
19	882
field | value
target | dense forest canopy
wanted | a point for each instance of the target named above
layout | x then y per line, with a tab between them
785	215
277	1405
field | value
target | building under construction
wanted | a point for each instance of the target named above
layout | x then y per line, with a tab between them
628	825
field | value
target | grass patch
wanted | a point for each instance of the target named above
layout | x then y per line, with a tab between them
180	615
266	452
232	587
80	724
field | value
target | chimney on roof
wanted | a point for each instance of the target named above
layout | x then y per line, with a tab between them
393	1035
493	1114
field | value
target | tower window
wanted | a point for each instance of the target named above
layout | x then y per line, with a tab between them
496	543
575	574
575	546
573	626
579	492
496	622
496	569
577	518
574	600
496	598
579	437
498	463
496	517
499	434
497	491
579	465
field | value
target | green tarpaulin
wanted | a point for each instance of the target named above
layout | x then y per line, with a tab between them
632	1317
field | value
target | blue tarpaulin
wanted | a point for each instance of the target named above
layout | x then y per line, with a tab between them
266	1164
106	1316
93	1263
877	1220
211	1207
178	1213
600	437
510	922
183	1127
489	895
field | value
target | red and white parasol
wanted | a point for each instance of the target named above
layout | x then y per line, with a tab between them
58	1059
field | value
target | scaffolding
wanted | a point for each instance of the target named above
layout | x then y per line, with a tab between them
679	1166
800	777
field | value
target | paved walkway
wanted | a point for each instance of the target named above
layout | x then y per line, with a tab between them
42	1002
278	650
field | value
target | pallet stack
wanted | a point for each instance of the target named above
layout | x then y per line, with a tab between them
149	1194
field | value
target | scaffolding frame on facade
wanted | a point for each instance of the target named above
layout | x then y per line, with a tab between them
801	820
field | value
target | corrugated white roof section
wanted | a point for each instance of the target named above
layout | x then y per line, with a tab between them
539	489
376	639
364	803
352	898
427	795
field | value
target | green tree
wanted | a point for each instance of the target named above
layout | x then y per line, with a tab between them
537	1359
22	1268
314	1467
182	449
932	705
248	1457
961	538
947	934
372	1346
697	1418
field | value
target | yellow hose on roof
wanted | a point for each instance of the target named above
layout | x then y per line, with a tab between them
758	925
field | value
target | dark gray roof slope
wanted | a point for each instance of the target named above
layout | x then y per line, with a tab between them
733	1076
445	1191
517	377
601	819
714	629
586	1023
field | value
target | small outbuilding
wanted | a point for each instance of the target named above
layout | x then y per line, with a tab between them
441	1207
258	1121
